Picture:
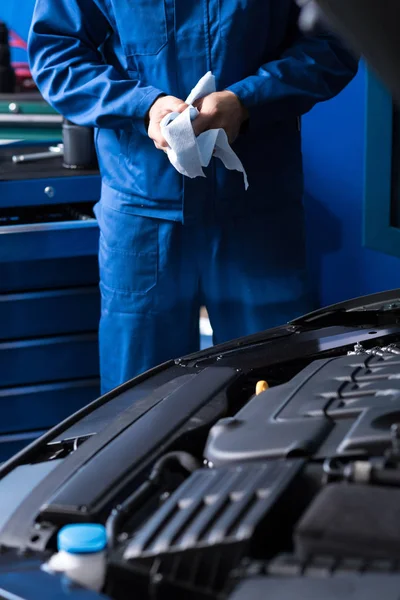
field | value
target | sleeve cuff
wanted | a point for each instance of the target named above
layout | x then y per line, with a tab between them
260	96
143	108
245	91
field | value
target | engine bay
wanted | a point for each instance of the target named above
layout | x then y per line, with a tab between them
296	483
215	480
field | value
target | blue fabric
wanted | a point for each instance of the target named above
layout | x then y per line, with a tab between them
104	62
168	243
155	275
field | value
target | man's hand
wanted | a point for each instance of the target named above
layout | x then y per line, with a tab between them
161	108
221	110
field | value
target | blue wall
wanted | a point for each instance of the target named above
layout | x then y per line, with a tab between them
17	16
334	143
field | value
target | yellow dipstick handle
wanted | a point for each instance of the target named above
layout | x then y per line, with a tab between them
261	387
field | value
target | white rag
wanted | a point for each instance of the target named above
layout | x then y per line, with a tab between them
189	154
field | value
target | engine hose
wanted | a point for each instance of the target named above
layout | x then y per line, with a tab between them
389	477
120	513
183	459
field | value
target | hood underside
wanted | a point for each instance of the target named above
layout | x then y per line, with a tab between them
369	26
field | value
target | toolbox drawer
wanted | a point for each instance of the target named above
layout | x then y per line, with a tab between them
40	232
47	313
38	242
48	360
50	274
43	406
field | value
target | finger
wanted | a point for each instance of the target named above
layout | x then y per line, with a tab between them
181	107
200	125
155	134
175	106
162	143
204	100
229	135
159	147
232	134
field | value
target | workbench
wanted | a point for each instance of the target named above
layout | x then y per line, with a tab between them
49	299
28	117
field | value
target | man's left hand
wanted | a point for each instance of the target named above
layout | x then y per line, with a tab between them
220	110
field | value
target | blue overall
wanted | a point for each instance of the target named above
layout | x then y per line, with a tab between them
168	243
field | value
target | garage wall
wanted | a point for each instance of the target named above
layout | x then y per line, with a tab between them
17	15
333	144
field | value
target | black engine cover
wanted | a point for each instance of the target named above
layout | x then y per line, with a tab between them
339	407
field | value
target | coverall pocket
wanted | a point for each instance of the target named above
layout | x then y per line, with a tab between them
128	252
142	25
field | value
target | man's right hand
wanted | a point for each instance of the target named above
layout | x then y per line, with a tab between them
161	108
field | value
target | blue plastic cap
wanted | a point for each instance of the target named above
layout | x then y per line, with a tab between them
82	539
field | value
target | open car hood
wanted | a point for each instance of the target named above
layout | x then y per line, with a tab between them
264	468
369	26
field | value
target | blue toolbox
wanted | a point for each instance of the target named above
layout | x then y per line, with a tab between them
49	299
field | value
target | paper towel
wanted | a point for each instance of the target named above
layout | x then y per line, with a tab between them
189	154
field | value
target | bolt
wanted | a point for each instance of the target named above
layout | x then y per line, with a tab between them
49	191
14	108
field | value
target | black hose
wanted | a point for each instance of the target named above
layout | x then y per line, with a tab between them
119	514
185	460
389	477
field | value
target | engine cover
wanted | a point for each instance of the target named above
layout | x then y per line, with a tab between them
339	407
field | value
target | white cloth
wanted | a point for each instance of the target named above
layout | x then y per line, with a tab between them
189	154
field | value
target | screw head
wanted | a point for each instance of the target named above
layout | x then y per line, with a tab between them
50	191
13	108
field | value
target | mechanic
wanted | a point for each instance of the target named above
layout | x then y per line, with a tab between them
169	243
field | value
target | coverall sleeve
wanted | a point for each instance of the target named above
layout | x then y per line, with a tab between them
312	69
66	62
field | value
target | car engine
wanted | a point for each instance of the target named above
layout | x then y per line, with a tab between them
266	469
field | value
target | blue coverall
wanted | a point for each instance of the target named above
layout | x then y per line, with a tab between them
168	243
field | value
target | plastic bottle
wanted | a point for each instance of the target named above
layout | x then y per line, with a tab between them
81	555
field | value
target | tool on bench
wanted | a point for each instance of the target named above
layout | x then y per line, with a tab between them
52	152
